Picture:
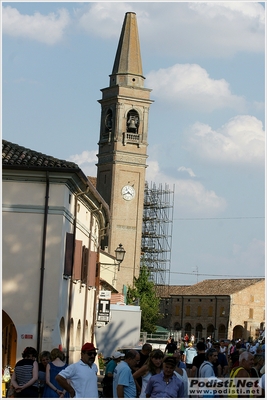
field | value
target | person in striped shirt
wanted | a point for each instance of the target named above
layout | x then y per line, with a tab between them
25	376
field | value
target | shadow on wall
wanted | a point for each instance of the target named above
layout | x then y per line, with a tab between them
115	335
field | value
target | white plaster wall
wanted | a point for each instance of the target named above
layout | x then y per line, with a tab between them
23	218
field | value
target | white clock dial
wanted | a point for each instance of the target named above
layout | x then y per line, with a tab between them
128	192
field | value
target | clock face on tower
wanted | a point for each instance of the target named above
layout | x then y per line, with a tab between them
128	192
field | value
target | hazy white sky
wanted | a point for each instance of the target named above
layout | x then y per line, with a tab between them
205	65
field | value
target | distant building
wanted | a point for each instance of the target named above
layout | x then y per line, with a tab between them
220	308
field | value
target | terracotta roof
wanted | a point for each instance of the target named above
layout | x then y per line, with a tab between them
92	179
15	155
212	287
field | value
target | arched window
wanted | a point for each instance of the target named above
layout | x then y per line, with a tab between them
71	334
108	121
62	331
78	335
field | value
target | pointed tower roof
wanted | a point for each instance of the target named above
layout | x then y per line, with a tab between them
127	68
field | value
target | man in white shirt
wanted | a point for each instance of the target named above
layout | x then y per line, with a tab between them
80	379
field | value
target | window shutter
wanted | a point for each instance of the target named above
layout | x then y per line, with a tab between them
91	281
68	254
77	267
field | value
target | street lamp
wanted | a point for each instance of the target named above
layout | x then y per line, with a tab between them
120	253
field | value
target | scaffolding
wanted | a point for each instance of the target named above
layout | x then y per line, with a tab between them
157	233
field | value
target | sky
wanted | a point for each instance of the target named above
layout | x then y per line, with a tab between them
204	62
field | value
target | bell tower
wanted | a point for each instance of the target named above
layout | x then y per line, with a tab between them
123	150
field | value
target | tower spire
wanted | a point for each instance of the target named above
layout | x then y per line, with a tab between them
127	68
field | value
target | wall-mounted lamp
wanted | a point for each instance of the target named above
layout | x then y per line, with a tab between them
120	253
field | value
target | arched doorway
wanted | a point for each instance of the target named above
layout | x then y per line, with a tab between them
199	329
9	341
177	326
210	331
238	332
222	332
187	329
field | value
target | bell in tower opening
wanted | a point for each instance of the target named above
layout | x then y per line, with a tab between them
132	121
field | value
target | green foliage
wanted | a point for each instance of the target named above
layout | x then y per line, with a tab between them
144	293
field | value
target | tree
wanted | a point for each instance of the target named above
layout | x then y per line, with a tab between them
144	292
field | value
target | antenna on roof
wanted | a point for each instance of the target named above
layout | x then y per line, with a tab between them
196	270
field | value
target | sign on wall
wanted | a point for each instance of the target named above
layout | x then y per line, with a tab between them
103	310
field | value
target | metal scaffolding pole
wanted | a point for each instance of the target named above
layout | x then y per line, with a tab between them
157	232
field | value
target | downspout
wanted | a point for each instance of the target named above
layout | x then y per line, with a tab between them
97	283
41	288
215	317
86	283
71	284
182	315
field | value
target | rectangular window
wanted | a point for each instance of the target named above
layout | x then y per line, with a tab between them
187	311
210	311
177	310
251	313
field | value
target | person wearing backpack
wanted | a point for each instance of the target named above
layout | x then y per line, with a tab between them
206	369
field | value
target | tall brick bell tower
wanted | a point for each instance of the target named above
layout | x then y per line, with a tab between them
123	150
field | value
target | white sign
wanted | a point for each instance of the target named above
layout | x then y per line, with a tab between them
103	318
100	323
105	294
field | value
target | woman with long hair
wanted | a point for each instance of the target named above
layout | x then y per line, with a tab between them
152	366
57	364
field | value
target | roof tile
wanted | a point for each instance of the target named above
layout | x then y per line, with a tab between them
208	287
15	155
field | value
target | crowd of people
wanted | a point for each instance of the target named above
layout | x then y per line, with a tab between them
146	373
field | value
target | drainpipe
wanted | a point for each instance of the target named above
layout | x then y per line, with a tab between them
97	283
215	317
182	315
41	288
